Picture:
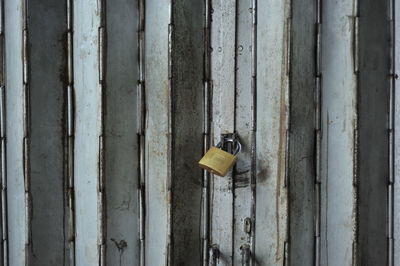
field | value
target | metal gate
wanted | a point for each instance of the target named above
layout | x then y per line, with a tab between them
106	106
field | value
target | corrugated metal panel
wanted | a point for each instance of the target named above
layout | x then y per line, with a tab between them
355	171
109	105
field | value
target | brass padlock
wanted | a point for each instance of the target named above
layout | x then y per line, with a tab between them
218	161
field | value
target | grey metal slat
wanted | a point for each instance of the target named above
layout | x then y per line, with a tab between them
15	129
157	131
272	119
187	130
121	142
301	151
88	104
45	60
373	108
339	120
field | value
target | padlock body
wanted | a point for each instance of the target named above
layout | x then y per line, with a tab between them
217	161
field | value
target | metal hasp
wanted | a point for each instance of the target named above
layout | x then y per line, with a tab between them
230	143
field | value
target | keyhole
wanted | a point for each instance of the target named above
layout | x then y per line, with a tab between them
247	225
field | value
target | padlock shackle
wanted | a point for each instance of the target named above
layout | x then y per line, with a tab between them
236	142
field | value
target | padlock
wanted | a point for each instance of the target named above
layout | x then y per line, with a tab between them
218	161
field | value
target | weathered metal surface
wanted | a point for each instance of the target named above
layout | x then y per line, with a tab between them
121	156
47	84
104	159
87	130
158	132
244	174
339	122
272	114
301	171
15	131
223	110
373	108
187	131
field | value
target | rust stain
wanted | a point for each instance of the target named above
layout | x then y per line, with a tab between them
263	172
169	196
281	169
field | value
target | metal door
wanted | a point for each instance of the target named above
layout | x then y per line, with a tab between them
107	106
